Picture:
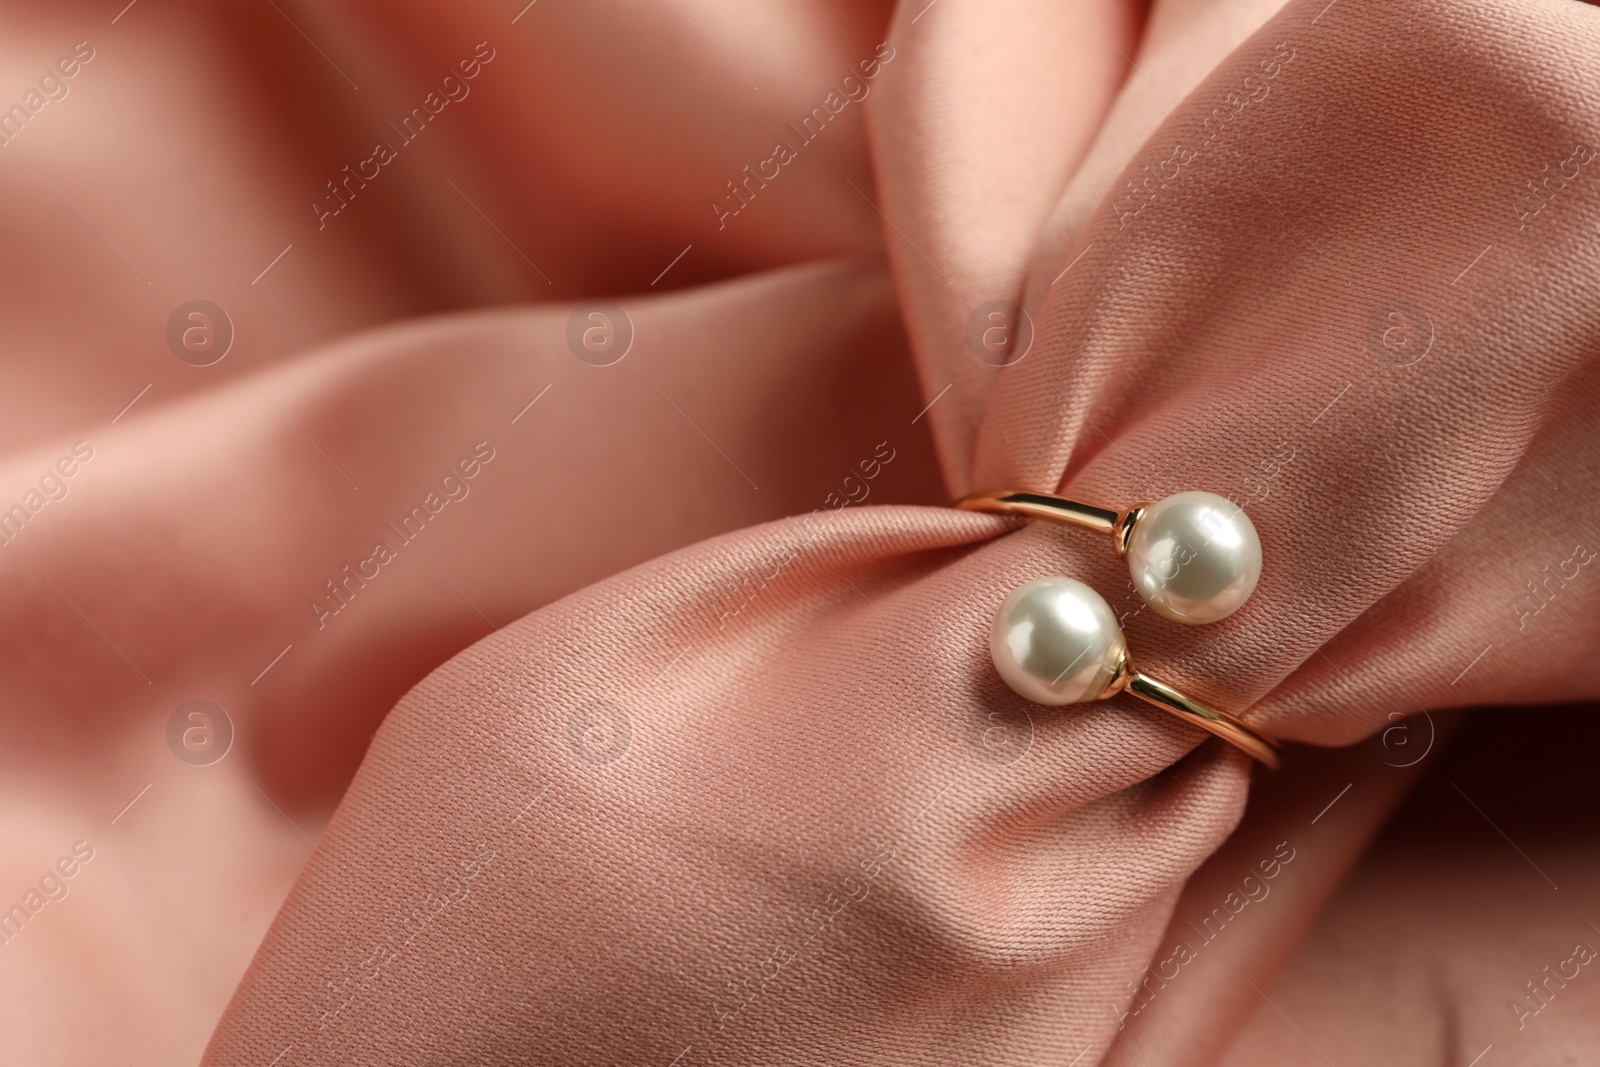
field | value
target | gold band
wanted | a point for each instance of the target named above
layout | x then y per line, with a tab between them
1234	731
1119	524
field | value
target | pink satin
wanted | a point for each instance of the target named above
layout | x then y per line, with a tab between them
727	777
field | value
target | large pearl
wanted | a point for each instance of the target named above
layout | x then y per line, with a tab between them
1195	557
1056	641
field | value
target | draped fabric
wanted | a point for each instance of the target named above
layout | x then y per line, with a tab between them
589	668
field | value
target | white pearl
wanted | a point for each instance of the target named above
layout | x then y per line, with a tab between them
1195	557
1056	641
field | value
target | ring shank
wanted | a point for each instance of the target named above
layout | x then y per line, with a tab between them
1043	506
1225	726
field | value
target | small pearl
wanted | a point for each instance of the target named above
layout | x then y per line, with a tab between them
1195	557
1056	641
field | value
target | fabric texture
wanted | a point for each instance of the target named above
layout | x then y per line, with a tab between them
666	731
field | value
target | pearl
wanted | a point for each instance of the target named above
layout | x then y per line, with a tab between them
1195	557
1056	641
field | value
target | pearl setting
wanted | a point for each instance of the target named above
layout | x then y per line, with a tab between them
1056	641
1194	557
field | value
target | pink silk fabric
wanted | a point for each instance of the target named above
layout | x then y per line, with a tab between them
667	733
